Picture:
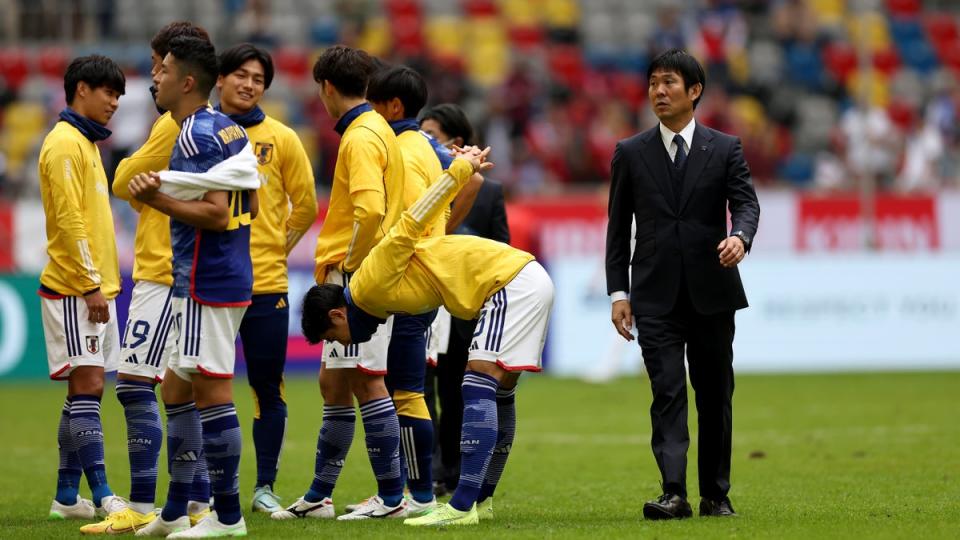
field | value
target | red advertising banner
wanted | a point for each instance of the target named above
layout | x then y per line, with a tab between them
6	238
838	223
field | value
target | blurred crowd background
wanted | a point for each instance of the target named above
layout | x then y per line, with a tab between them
827	95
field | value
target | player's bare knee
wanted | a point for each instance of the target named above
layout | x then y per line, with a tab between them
175	390
135	378
211	391
491	369
368	387
86	381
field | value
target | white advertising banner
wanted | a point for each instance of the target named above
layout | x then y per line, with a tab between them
808	313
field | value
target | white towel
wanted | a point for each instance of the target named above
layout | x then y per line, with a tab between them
236	173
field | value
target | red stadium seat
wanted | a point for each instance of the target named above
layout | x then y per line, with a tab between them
886	61
566	64
53	61
14	67
402	8
904	8
480	8
525	37
902	114
840	60
292	62
407	35
942	30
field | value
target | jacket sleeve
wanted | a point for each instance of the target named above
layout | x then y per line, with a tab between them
366	161
154	155
298	183
63	168
741	197
620	216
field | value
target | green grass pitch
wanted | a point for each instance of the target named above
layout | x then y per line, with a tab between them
815	456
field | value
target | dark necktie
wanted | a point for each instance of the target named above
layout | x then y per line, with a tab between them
681	155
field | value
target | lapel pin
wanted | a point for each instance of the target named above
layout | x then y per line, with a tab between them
704	148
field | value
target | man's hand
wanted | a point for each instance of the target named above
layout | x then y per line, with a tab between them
476	157
622	318
97	307
144	186
731	251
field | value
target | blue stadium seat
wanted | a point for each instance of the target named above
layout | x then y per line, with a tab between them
920	56
804	65
798	170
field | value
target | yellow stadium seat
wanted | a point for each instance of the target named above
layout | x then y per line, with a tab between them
376	38
486	32
562	13
529	13
828	12
488	65
871	84
24	124
445	35
308	138
275	109
870	29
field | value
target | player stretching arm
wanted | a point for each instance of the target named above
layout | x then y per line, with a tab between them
472	277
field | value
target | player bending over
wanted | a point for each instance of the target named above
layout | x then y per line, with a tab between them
471	277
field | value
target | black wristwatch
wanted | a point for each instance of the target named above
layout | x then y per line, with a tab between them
743	238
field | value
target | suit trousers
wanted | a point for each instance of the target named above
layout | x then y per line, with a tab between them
708	343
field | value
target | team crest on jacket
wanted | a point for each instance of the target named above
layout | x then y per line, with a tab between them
264	152
93	344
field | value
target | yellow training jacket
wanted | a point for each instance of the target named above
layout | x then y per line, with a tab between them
76	201
153	256
404	274
367	194
421	169
287	180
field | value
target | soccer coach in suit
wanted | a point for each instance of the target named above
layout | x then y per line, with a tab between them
677	181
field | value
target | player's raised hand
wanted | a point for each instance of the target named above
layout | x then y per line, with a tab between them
476	157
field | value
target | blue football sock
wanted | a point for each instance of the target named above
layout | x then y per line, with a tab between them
200	488
144	437
268	432
416	437
221	444
69	471
506	430
383	447
184	447
88	440
336	436
477	438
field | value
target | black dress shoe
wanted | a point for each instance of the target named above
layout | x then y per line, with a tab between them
668	506
710	507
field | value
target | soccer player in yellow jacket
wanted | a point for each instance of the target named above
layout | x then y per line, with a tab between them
365	201
398	93
148	339
288	206
80	281
472	277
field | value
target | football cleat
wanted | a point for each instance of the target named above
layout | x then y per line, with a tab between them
445	515
303	509
265	500
161	527
485	509
374	508
210	527
124	521
198	516
82	509
415	508
111	504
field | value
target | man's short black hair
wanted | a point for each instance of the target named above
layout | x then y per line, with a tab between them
234	57
682	62
96	71
347	69
161	41
197	58
399	82
317	303
452	121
